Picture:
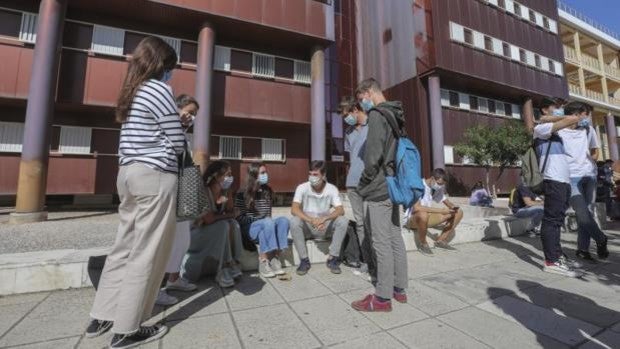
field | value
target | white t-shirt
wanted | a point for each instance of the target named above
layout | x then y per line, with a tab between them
315	204
557	167
577	144
431	195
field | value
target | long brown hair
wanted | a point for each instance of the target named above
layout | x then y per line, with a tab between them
252	184
151	58
215	169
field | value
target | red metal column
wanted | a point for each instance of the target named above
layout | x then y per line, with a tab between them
434	101
612	136
204	78
32	182
317	93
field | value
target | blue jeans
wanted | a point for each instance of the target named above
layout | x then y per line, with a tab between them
535	213
271	234
583	191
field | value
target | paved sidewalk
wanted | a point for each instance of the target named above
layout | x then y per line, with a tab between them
490	294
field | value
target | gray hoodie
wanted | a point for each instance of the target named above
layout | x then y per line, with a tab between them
380	145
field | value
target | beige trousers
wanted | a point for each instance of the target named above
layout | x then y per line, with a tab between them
135	266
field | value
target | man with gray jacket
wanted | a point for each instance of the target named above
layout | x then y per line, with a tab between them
382	216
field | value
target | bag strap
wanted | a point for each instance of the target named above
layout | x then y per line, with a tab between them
391	149
542	171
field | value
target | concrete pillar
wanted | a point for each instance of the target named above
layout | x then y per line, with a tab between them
527	110
582	79
317	108
612	136
32	183
204	78
434	101
601	61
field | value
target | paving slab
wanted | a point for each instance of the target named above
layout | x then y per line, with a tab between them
300	287
13	313
337	283
400	315
332	320
497	332
207	300
66	343
23	298
432	301
566	330
215	331
432	333
606	340
273	326
616	328
61	315
379	340
251	292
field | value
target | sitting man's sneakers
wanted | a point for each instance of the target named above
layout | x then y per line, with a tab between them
276	266
533	233
97	327
265	269
426	250
444	245
372	303
145	334
601	249
304	266
333	264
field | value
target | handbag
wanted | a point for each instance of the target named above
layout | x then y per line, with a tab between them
191	195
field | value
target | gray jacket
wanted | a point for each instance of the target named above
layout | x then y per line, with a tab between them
380	145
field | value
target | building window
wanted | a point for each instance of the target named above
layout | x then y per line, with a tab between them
469	36
11	23
272	149
448	154
174	43
108	40
537	60
501	4
499	109
483	106
302	72
11	136
508	109
75	140
506	49
546	23
488	43
551	66
285	68
473	102
131	42
28	29
517	9
522	56
454	99
445	98
492	108
241	61
221	59
532	16
263	65
230	148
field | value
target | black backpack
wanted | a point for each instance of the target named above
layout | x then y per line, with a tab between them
350	252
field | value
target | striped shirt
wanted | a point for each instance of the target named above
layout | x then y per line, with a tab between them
262	206
152	133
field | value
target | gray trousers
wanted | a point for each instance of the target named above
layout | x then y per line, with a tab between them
383	219
302	231
136	264
357	206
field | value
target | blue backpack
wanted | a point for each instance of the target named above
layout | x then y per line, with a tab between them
403	173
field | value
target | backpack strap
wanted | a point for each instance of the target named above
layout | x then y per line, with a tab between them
390	151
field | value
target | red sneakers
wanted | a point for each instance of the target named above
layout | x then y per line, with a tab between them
400	297
371	303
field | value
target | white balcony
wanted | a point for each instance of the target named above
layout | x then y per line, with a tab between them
570	54
590	62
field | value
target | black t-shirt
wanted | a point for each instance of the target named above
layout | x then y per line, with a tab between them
522	192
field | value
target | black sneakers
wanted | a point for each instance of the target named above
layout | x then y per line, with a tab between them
97	327
601	249
585	255
304	266
144	335
333	263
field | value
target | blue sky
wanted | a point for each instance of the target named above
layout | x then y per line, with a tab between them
605	12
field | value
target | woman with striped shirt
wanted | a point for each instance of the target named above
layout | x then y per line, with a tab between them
151	138
255	206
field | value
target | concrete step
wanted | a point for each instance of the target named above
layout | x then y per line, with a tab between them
64	269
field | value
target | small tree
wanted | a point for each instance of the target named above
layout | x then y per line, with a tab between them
501	146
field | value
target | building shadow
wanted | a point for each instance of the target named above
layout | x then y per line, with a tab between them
563	306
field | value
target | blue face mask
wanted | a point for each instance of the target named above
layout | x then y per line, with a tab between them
558	112
367	104
167	76
263	178
585	123
350	120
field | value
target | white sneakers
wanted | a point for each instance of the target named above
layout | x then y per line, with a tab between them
181	285
224	278
235	272
265	269
163	298
561	267
276	266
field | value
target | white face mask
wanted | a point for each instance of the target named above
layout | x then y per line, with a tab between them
436	186
227	183
315	181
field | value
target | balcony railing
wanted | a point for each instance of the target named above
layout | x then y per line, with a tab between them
572	88
612	71
595	95
570	54
614	101
590	62
564	7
